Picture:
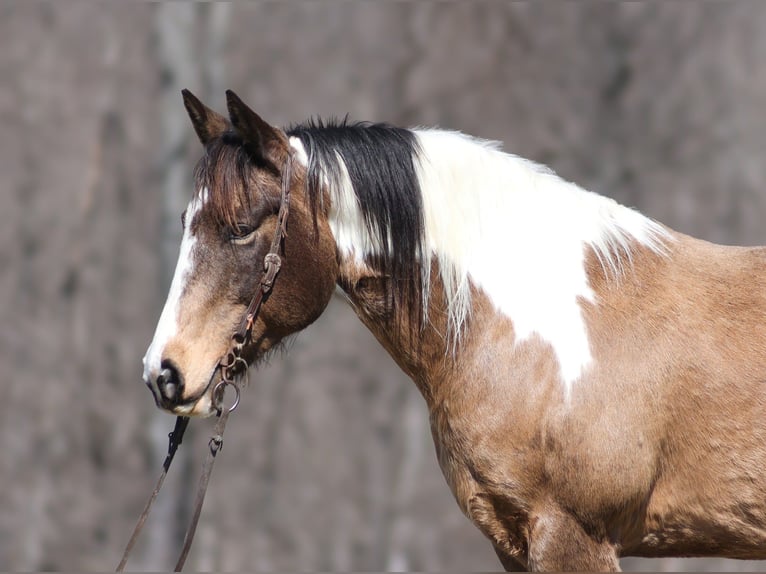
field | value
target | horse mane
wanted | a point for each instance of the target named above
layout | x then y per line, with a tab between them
427	195
374	163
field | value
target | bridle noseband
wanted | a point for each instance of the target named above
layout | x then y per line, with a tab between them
232	366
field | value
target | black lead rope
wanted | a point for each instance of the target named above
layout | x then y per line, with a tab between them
175	438
174	441
215	444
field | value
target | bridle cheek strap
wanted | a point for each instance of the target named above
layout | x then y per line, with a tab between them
233	363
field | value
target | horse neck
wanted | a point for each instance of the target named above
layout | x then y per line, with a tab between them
423	349
496	226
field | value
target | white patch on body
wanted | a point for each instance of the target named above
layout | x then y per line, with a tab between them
168	323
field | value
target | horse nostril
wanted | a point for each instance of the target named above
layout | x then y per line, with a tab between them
169	382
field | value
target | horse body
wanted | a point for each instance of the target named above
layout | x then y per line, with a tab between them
596	383
657	450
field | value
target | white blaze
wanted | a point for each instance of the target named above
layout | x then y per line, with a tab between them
168	323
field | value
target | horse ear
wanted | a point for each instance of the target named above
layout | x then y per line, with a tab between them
207	123
257	133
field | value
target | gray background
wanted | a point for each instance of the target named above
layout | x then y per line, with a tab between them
328	463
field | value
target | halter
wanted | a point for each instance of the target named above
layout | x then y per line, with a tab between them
230	366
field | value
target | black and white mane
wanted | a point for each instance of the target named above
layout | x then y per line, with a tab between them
377	161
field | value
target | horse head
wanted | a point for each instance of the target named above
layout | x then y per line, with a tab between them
228	229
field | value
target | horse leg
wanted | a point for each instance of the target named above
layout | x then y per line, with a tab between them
510	563
558	542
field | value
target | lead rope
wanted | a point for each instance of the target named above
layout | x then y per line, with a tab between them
215	444
174	441
231	365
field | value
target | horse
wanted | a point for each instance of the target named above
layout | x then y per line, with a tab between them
595	381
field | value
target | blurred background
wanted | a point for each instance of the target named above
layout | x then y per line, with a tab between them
328	463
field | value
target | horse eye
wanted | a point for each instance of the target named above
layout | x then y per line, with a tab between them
241	233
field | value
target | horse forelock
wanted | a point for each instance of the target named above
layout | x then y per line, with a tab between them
224	177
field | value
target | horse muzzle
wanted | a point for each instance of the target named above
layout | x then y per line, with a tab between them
167	388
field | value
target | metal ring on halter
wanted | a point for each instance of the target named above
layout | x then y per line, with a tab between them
240	361
230	357
229	371
222	385
243	375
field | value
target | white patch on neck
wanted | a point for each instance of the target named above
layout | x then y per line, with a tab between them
520	234
168	323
